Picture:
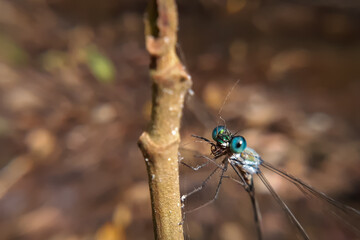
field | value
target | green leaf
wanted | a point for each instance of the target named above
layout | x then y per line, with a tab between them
11	52
100	66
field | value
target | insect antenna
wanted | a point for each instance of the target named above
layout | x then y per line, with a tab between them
227	97
224	102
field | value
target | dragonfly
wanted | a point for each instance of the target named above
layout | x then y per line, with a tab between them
230	151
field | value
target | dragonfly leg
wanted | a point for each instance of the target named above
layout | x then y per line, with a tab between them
256	210
204	140
224	169
244	183
199	188
249	187
198	167
235	180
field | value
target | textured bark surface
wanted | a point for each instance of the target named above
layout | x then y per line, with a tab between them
159	144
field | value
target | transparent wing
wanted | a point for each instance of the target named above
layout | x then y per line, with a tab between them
283	206
348	215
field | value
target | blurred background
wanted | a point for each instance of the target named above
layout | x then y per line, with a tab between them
75	96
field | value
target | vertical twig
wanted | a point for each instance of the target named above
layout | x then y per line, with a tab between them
159	144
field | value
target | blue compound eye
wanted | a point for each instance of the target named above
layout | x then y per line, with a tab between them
219	130
237	144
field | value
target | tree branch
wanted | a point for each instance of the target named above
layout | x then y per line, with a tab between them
159	144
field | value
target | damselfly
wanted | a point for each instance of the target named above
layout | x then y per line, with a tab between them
230	151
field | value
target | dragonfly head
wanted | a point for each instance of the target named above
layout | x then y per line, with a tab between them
221	136
237	144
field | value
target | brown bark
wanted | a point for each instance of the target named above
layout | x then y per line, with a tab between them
159	144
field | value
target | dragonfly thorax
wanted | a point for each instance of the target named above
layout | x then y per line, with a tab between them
248	160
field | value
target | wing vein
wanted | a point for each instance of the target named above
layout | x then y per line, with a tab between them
283	206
